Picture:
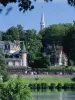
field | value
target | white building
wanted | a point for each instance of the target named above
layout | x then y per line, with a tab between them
14	54
9	47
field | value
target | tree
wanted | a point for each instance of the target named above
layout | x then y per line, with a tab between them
41	62
54	34
11	34
1	32
2	62
14	90
21	32
69	43
3	67
71	2
33	44
25	5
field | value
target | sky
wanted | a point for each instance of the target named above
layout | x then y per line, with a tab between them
55	12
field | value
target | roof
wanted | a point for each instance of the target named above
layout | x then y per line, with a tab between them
23	49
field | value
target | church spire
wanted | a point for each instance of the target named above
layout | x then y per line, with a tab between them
42	23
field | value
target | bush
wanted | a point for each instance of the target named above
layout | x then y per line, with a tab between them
31	86
5	76
67	86
52	86
72	85
73	79
59	86
44	86
14	90
38	86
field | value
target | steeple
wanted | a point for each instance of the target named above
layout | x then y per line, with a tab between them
42	23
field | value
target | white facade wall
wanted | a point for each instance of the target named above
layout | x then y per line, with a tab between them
10	63
17	63
60	58
14	63
9	47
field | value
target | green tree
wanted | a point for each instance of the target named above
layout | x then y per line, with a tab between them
2	62
69	43
3	67
33	44
41	62
21	32
11	34
14	90
1	32
54	34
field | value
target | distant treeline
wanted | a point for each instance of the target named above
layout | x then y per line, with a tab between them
58	34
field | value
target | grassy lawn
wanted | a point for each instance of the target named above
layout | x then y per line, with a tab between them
47	80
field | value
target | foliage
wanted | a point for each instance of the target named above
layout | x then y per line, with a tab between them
1	32
69	43
33	44
41	62
38	86
52	86
11	34
67	86
25	5
59	86
14	90
2	62
3	67
54	34
21	32
71	2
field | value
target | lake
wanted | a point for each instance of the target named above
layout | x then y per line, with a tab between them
54	95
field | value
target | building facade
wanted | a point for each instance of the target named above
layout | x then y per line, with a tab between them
14	54
57	55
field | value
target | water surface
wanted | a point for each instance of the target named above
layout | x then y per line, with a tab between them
54	95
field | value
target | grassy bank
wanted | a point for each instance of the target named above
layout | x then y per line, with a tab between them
47	80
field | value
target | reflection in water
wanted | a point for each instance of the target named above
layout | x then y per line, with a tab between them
60	96
54	96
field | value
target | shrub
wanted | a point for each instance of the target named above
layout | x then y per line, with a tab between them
72	85
52	86
59	86
73	79
44	86
38	86
14	90
67	86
